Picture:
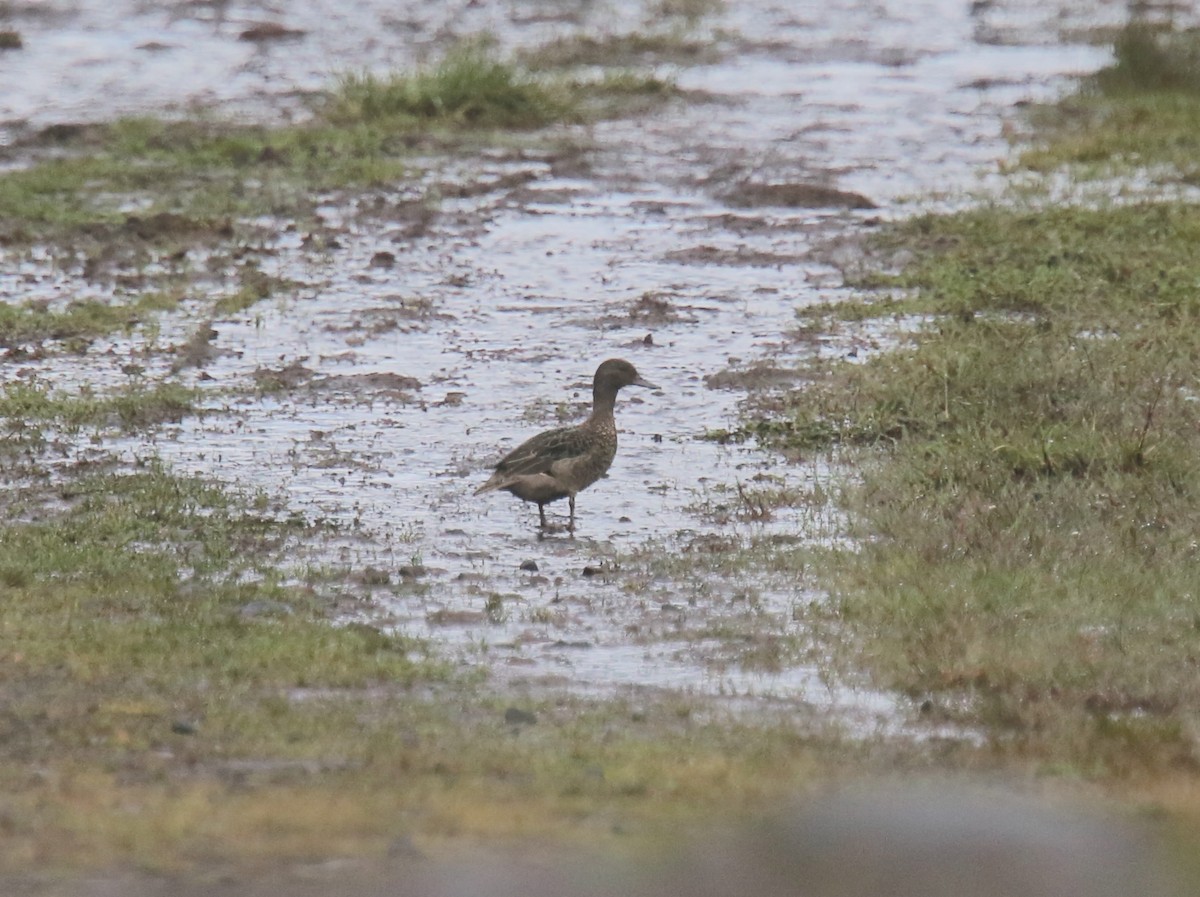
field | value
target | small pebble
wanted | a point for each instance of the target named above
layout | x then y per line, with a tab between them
531	566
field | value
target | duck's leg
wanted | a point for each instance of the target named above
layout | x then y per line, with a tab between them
542	513
571	522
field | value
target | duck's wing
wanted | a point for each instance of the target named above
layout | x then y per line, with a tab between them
536	455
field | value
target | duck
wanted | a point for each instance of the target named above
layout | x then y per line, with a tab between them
561	463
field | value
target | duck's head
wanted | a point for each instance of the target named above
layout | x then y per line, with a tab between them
616	373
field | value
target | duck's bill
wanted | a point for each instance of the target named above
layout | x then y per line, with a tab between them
642	381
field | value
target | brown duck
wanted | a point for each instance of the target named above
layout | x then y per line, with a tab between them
561	463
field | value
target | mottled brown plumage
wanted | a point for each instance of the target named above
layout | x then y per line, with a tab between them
561	463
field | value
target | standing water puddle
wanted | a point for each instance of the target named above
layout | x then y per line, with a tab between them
501	308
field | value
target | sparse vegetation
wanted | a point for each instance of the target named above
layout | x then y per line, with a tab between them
34	322
24	406
156	657
1030	493
200	174
1152	59
470	87
691	11
1142	111
206	174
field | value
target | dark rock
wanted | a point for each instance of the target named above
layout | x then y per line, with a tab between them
445	617
373	576
285	378
64	132
795	196
530	566
269	31
380	382
515	716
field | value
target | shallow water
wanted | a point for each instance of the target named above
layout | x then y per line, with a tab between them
504	305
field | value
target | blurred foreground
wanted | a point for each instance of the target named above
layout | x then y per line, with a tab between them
890	842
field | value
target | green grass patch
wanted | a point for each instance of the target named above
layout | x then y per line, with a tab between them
139	608
1143	111
469	88
690	11
1030	497
1152	59
186	704
202	176
472	89
34	322
203	172
1088	305
255	286
152	581
24	406
1030	525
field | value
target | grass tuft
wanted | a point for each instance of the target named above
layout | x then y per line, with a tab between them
25	405
1152	59
37	322
469	88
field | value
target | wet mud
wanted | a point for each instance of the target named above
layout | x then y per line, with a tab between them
404	349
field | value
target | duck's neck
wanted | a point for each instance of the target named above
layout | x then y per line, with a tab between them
603	403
